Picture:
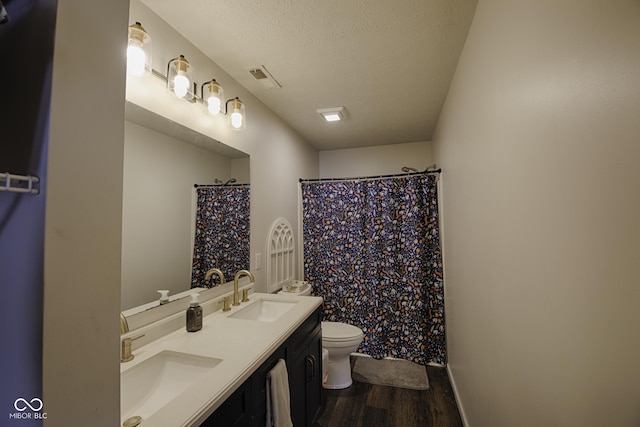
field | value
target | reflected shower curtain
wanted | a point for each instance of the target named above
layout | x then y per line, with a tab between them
372	251
222	232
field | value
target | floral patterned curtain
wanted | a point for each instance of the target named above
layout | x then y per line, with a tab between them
222	232
372	251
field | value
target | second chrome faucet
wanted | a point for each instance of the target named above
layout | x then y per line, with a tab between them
236	294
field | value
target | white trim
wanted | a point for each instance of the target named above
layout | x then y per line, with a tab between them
465	422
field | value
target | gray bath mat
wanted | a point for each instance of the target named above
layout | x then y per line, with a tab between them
390	372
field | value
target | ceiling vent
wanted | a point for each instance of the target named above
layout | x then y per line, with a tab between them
260	73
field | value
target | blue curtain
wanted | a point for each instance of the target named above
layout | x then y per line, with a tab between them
222	232
372	251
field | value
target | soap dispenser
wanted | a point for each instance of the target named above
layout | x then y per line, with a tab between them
194	315
164	296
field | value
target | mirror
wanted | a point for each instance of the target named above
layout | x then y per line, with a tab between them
163	160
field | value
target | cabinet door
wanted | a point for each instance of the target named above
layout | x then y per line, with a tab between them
297	387
305	381
235	411
314	378
256	420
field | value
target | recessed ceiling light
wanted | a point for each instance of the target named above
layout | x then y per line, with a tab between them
332	114
332	117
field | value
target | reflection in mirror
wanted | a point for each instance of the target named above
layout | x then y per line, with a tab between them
162	162
221	246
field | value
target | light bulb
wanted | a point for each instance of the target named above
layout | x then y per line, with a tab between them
213	105
135	59
138	51
236	119
180	85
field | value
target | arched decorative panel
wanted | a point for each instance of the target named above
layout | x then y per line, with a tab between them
280	255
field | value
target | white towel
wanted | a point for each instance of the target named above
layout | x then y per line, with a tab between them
278	399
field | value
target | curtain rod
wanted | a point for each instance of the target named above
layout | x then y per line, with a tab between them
366	178
219	185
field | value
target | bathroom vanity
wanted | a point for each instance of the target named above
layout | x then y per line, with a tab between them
302	353
217	376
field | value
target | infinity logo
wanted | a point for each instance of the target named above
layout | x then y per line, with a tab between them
27	404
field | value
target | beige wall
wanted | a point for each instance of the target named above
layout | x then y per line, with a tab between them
378	160
83	216
539	148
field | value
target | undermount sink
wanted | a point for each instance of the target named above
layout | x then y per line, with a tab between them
264	310
151	384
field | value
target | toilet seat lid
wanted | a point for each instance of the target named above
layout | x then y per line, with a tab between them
336	331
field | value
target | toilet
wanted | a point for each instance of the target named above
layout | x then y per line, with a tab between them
339	340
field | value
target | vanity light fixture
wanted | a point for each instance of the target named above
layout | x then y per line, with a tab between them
138	51
332	114
179	78
237	119
212	95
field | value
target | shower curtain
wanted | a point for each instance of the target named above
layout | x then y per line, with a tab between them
372	251
222	232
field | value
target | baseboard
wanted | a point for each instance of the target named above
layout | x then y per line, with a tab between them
465	423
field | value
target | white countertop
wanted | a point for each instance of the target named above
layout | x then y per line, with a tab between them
243	345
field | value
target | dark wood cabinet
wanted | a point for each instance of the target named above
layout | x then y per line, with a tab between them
305	374
302	353
235	411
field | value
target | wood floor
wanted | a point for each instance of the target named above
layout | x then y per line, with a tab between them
367	405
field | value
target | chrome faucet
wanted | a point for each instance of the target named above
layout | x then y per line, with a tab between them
236	294
218	272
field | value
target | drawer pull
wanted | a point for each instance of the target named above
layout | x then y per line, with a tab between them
311	367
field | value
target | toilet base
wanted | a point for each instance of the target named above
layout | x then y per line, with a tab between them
337	386
338	373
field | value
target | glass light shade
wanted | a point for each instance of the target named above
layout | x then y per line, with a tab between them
237	118
212	96
138	51
179	78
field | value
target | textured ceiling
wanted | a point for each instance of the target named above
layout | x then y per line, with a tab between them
389	63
